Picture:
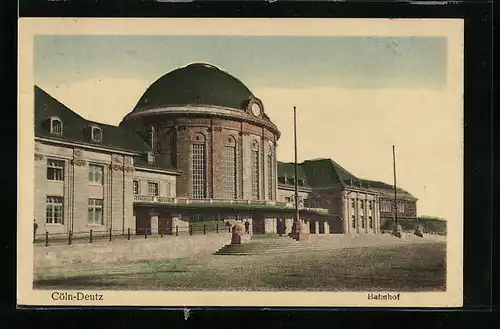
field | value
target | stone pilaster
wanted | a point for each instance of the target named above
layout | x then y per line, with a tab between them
154	225
365	207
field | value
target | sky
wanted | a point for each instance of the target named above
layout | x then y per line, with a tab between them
356	96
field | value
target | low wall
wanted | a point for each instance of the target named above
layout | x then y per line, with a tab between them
167	247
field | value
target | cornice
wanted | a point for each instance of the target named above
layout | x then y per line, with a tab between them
215	111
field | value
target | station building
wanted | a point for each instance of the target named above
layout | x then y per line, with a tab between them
198	145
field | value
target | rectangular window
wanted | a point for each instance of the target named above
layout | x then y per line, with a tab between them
401	207
95	212
362	218
353	221
96	174
386	206
255	175
230	171
167	188
270	176
370	221
56	127
55	170
54	210
199	171
153	189
136	187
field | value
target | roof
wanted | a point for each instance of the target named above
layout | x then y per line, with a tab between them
320	173
75	126
324	173
388	189
75	129
195	84
161	162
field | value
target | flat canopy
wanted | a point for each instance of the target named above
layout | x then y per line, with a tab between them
233	208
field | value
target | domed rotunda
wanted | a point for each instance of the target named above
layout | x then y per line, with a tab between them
213	130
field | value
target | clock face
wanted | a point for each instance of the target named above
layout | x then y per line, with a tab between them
255	109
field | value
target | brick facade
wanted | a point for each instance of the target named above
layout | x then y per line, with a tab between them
176	135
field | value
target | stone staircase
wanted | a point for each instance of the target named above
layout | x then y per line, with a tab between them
269	245
272	244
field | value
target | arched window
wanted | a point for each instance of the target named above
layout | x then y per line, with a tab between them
152	136
150	157
230	168
270	172
255	170
198	155
56	126
96	134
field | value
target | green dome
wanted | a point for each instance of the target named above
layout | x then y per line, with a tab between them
195	84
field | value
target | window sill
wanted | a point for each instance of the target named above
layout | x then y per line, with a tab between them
55	181
54	224
96	184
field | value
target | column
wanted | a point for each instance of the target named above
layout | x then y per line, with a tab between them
327	227
154	225
356	214
345	213
365	214
376	216
316	227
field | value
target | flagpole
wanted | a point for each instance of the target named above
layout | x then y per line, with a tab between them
296	169
395	194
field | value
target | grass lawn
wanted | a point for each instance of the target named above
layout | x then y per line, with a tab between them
406	267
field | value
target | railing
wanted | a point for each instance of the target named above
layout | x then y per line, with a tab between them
108	235
170	200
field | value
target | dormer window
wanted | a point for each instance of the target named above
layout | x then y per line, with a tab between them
150	158
96	134
56	126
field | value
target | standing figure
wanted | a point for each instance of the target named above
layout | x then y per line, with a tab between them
35	227
247	227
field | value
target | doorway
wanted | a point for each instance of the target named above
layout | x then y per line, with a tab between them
280	226
258	224
165	223
142	222
312	227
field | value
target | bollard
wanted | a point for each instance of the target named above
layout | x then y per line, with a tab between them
176	230
161	233
46	238
69	237
110	233
90	235
217	228
128	233
145	233
204	229
190	229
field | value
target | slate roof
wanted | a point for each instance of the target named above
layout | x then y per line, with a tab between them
320	173
195	84
162	161
324	173
76	129
388	189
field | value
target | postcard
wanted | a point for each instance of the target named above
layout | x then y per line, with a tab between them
240	162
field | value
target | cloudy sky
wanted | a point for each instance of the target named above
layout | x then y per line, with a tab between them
356	96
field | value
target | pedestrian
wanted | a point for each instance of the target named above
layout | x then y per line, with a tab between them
247	227
35	227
